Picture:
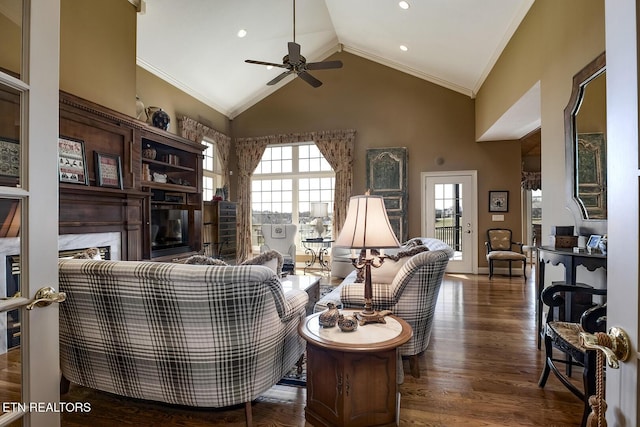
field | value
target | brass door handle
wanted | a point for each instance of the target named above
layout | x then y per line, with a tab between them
614	344
45	296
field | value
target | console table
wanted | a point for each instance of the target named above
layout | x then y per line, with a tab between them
352	376
571	260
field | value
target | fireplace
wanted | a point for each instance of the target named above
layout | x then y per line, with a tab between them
68	245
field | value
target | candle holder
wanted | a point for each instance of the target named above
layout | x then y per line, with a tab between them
367	228
369	315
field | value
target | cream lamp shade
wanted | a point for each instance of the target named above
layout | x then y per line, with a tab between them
319	210
367	225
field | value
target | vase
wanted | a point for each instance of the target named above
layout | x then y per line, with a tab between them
149	153
157	117
140	110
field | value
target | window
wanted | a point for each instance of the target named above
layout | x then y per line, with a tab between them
283	186
211	171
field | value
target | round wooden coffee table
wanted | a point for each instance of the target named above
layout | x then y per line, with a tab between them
352	376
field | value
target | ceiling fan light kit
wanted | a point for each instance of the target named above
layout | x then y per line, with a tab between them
296	64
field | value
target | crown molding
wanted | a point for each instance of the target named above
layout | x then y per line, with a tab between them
178	84
518	17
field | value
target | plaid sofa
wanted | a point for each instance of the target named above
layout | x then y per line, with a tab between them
196	335
412	295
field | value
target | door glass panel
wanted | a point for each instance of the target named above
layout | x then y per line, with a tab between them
10	328
11	36
10	102
448	205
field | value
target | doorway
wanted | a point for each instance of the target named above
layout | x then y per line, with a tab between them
449	213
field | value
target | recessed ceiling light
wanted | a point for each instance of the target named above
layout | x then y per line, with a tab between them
269	67
403	5
242	33
403	48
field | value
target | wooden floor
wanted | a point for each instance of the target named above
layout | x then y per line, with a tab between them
481	369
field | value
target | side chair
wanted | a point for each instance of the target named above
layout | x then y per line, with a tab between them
564	336
501	247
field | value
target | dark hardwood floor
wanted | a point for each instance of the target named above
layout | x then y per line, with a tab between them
481	369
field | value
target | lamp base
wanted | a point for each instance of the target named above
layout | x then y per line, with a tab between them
365	316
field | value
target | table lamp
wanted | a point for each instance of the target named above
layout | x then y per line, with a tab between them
319	211
367	227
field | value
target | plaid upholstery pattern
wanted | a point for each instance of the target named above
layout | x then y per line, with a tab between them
412	295
195	335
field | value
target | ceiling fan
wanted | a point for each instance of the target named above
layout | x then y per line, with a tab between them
295	63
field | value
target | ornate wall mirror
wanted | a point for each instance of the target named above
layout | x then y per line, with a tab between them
586	148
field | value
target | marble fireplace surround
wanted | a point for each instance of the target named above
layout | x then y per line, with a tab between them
11	246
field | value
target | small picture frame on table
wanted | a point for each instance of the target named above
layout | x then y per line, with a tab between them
108	170
498	201
72	165
593	242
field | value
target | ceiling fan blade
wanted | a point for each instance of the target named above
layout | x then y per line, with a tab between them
251	61
279	77
326	65
294	52
309	79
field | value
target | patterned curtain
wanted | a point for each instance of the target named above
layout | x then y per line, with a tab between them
249	152
195	131
336	146
531	180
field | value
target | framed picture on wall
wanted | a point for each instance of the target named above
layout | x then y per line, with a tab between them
72	166
498	201
108	170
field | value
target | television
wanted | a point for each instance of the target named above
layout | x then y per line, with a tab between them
169	230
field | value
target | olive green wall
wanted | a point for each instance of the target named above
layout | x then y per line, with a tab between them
155	92
389	108
98	63
555	41
98	52
10	34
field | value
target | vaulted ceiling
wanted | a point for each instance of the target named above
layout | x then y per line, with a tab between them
194	44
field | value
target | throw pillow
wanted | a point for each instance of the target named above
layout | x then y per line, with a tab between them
204	260
90	253
272	259
412	243
391	265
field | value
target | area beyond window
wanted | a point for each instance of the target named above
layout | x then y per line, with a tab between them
211	171
287	180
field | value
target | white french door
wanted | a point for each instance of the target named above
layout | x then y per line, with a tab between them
29	88
449	212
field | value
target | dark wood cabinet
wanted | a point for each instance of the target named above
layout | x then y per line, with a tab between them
220	237
352	376
171	170
174	194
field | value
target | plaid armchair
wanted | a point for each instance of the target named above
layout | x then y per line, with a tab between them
194	335
412	296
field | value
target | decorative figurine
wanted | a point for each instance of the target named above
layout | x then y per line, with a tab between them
347	323
329	317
